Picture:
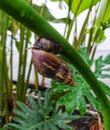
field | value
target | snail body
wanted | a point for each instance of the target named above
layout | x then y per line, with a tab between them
48	45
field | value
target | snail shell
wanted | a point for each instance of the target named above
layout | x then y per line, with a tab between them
49	65
48	45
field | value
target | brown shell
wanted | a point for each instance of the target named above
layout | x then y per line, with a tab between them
49	65
64	75
48	45
46	63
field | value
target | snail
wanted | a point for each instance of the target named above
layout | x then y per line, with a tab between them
48	64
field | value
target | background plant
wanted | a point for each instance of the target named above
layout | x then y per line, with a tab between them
43	114
76	97
10	29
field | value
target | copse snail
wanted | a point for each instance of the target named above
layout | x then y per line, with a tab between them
48	64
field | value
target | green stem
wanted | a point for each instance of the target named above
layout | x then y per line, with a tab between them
24	66
30	18
93	53
83	29
75	33
11	65
20	77
89	46
3	63
67	21
43	8
1	66
72	22
36	79
4	72
43	82
36	74
28	75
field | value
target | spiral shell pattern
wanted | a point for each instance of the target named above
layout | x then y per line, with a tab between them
51	66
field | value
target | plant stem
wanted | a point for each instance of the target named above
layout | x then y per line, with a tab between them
67	20
24	66
28	74
72	22
25	14
75	33
11	66
3	64
20	69
82	32
90	46
36	74
36	81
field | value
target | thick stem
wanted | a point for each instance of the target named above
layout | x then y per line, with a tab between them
30	18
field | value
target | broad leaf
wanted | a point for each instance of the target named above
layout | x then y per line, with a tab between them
107	12
103	12
78	6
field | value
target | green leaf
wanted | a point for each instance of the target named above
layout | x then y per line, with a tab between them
3	129
107	59
100	34
78	6
101	67
69	101
85	56
105	88
48	16
107	13
71	97
38	117
104	15
92	99
106	24
82	104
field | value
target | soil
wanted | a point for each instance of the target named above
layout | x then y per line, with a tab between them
82	124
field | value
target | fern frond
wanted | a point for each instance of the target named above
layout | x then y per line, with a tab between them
42	116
